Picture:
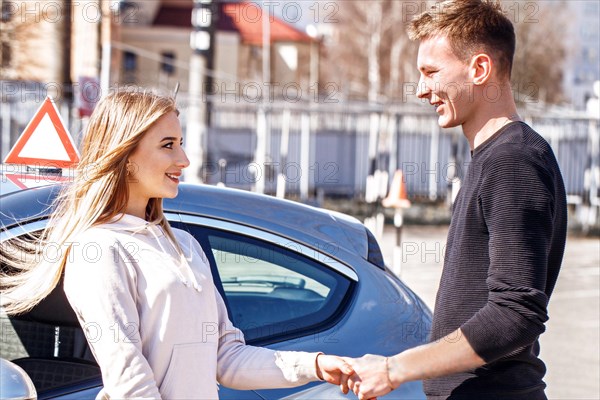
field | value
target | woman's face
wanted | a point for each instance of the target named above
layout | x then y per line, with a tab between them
156	165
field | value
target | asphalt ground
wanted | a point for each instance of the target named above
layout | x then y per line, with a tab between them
570	346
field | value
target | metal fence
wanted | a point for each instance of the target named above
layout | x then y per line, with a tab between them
330	149
345	146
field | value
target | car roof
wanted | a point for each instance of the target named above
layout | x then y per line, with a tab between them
308	225
8	187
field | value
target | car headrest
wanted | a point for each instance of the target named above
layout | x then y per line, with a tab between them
53	310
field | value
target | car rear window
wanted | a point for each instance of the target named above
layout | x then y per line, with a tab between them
273	292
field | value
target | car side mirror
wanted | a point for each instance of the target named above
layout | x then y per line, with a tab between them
15	384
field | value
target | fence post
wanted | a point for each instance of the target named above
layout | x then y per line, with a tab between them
394	142
590	206
260	154
455	179
304	156
372	191
283	152
397	199
433	159
6	129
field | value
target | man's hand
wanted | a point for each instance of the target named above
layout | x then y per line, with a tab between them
334	369
376	376
371	377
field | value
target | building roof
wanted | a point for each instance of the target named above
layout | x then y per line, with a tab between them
247	19
243	17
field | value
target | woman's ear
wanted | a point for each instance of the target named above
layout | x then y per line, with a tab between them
481	68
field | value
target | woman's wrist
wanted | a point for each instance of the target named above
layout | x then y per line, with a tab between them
317	368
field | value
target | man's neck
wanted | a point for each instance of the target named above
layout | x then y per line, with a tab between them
492	126
489	119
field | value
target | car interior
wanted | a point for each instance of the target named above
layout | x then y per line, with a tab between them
49	344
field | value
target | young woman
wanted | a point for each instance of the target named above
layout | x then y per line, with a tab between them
142	291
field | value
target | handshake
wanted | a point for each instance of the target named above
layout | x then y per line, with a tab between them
368	377
371	376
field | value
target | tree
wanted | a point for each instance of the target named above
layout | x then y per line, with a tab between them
371	57
33	40
539	62
370	54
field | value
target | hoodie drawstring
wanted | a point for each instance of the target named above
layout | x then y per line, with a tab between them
136	225
183	266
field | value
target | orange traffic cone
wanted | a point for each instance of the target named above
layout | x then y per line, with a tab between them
397	196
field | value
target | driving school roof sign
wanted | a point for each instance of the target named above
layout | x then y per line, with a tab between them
45	142
24	181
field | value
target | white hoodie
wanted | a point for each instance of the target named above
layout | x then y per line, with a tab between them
156	323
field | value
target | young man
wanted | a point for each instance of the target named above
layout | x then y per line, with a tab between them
508	229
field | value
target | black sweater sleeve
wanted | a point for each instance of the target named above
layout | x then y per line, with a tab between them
517	202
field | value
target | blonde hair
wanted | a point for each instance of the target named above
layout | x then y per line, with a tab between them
97	194
471	26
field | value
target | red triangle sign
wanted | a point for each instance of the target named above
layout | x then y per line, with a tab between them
45	142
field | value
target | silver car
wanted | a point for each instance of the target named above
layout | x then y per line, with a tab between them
293	277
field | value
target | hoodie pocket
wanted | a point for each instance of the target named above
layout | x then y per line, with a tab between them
192	372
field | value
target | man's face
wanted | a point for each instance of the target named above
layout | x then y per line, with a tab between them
444	81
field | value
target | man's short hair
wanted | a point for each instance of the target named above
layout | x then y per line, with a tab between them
471	26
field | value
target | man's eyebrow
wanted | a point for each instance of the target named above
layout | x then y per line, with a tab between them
426	67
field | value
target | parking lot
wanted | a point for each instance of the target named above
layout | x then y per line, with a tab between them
571	345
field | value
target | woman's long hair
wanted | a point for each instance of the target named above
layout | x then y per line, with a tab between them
97	194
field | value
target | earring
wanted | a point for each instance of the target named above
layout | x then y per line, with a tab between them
128	168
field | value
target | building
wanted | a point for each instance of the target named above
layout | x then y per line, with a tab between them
582	68
147	43
156	51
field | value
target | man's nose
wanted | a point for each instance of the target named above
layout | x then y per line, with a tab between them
422	89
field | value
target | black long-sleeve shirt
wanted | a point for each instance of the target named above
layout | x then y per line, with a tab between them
504	250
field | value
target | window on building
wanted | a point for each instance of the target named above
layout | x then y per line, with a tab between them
129	61
592	54
6	54
168	62
588	32
591	8
8	9
129	66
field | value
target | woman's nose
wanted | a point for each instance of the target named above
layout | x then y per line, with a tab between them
183	161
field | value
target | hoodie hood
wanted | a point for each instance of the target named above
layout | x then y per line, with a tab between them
132	224
153	234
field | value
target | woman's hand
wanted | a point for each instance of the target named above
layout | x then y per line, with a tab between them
335	370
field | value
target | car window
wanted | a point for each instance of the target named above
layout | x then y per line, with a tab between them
273	291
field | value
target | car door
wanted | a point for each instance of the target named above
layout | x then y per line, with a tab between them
277	291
